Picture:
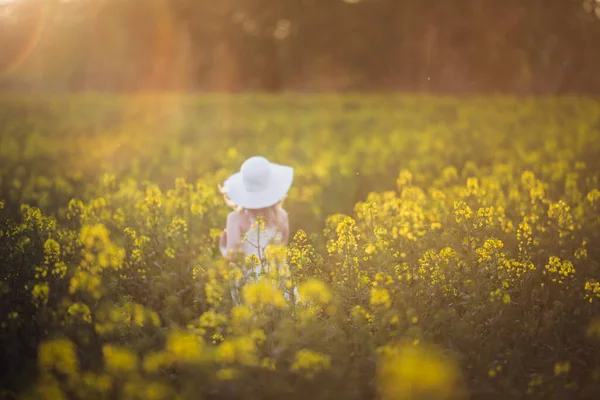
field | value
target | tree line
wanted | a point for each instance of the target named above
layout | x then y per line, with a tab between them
463	46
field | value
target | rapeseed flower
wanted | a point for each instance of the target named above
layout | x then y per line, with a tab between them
380	298
462	212
263	294
154	361
210	319
80	311
227	374
562	368
59	355
592	290
412	372
119	359
99	251
314	291
309	362
48	388
40	293
559	269
185	347
241	350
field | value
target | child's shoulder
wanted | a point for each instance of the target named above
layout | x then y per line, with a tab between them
234	215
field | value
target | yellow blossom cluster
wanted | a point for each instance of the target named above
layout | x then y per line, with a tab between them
309	362
263	294
462	212
314	291
119	360
406	371
476	233
592	290
559	270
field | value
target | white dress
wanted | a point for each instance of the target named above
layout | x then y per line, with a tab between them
255	242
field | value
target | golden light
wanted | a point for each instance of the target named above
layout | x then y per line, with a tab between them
28	28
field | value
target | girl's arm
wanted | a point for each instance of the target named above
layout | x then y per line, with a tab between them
234	238
223	243
285	235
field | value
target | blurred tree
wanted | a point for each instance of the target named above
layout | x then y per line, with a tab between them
538	46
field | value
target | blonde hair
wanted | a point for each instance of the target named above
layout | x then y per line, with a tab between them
273	215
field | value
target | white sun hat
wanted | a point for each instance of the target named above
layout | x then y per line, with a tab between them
259	184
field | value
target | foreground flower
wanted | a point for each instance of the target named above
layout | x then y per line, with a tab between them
411	372
314	291
263	293
310	362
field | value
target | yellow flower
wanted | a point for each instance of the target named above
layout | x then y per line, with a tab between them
410	372
528	179
227	374
51	251
562	368
462	212
380	298
561	213
40	294
490	251
210	319
241	316
314	291
86	282
310	362
449	174
559	269
405	178
472	186
225	353
155	361
581	254
80	311
241	350
99	383
48	388
58	354
359	314
593	196
259	336
170	252
263	294
268	363
500	294
592	289
119	359
485	216
185	347
99	252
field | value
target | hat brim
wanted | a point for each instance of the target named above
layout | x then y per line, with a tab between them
280	183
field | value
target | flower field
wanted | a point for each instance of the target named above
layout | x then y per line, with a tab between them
442	248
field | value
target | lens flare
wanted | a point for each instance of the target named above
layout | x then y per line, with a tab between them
159	64
22	43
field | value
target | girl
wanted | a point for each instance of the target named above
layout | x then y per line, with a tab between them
256	193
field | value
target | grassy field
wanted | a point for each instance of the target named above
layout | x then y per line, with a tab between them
443	248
